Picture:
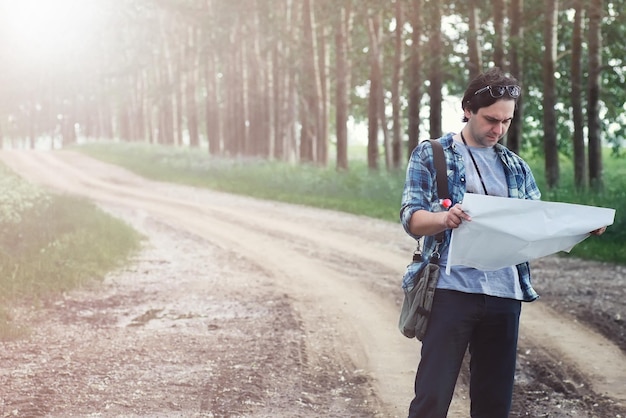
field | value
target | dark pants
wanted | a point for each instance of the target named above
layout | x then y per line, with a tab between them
489	325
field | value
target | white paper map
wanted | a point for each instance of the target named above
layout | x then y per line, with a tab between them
505	232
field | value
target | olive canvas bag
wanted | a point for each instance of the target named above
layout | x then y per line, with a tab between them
418	299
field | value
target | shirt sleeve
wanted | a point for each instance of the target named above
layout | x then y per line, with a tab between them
532	190
418	186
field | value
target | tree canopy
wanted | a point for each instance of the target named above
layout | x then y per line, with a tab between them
286	79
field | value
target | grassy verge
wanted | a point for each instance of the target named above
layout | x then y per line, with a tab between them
50	244
359	191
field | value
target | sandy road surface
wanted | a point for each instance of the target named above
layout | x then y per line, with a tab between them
340	274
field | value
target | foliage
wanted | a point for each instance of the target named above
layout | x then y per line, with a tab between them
17	197
143	55
51	243
359	191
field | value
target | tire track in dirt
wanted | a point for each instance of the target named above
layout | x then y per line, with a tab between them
363	319
361	303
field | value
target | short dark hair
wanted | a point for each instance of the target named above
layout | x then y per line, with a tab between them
494	76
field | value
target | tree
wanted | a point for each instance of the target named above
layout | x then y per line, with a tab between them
323	61
498	28
516	46
475	63
376	97
343	28
594	11
258	68
396	86
549	93
415	77
434	68
191	78
310	85
252	77
577	94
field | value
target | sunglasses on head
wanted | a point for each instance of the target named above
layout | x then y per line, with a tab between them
498	91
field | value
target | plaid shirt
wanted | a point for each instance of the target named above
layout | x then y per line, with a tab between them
420	192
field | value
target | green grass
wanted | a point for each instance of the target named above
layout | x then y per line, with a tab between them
359	191
51	243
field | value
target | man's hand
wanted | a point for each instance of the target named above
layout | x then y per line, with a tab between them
598	231
454	217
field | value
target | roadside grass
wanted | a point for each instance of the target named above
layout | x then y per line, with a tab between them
53	243
359	191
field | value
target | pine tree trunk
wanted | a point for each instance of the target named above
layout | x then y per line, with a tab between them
550	142
594	12
475	64
342	95
415	76
516	16
190	89
324	85
435	69
375	101
212	121
396	145
310	86
577	95
499	8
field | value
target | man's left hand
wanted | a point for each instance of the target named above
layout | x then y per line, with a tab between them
598	231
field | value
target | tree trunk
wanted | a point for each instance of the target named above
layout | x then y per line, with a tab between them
283	80
594	11
235	110
374	101
240	109
475	64
415	76
324	85
212	121
435	69
577	95
516	16
343	25
292	103
178	100
168	85
165	109
498	27
549	94
279	83
190	88
256	87
310	86
396	87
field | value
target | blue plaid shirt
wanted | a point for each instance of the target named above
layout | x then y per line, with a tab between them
420	192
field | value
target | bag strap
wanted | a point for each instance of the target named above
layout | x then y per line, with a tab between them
442	192
442	176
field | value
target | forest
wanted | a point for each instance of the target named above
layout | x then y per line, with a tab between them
290	80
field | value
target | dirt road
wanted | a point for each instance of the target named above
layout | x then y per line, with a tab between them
241	307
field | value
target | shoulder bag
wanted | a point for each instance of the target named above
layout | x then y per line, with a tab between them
418	299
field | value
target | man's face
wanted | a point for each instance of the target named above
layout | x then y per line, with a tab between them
490	124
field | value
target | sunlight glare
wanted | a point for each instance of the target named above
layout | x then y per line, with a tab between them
39	28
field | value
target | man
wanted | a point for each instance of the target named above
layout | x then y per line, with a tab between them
471	308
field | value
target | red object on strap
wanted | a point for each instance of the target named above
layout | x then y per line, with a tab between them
446	203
